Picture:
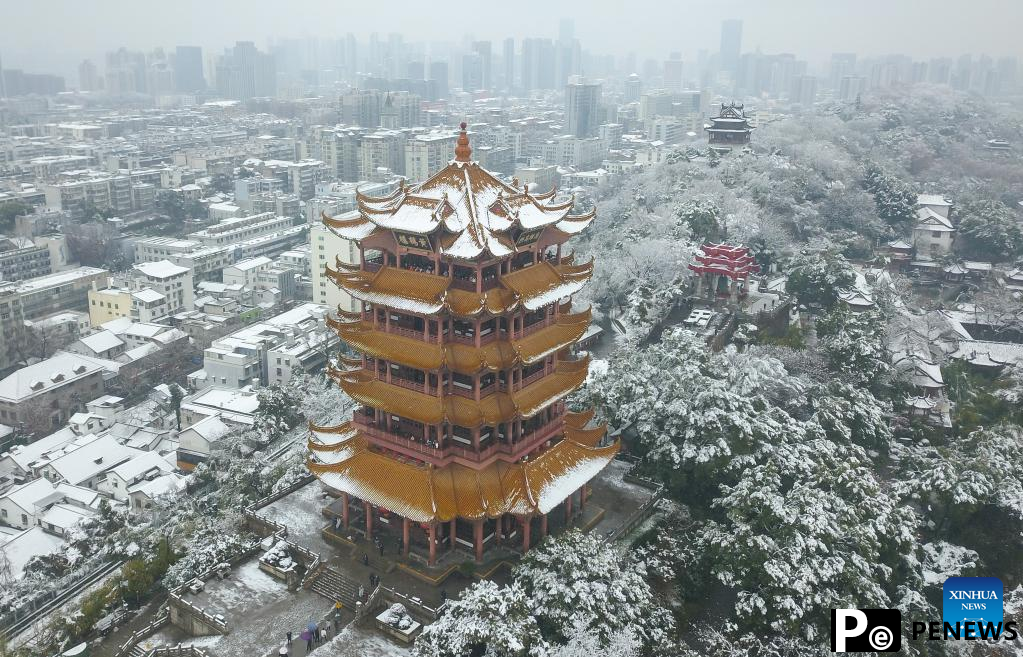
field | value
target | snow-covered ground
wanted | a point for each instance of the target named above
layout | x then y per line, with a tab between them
301	513
259	611
360	642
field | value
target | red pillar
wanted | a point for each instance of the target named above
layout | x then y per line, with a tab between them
582	498
568	509
433	542
477	539
543	526
344	509
405	525
451	535
498	530
525	533
369	520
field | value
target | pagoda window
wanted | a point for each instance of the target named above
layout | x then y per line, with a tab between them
522	260
487	382
461	435
464	331
416	262
486	433
462	384
534	319
532	372
444	269
373	259
490	277
550	253
488	328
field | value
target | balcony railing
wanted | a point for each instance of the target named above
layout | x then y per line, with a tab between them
410	385
440	456
408	333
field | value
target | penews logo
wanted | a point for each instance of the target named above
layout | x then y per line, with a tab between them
973	603
866	630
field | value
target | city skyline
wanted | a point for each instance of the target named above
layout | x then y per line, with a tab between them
945	30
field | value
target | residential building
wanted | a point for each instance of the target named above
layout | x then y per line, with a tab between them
60	291
43	396
237	229
581	102
324	246
428	153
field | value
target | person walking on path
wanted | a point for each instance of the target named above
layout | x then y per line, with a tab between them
323	634
289	638
308	637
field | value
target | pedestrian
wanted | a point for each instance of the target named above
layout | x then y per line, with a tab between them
381	546
289	638
323	634
362	592
365	559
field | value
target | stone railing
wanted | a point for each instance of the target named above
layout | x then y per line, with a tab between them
638	516
193	619
125	648
410	602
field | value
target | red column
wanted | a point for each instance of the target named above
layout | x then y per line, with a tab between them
543	526
525	533
405	525
477	531
369	520
568	509
344	509
433	543
582	498
451	534
498	530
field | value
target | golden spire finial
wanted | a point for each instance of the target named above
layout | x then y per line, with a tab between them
462	149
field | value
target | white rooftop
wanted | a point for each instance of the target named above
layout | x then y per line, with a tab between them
161	269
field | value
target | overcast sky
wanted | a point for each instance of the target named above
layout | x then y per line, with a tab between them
54	35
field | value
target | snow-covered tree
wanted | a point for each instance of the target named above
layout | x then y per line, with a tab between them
895	200
855	346
487	620
816	277
807	529
989	230
278	412
577	581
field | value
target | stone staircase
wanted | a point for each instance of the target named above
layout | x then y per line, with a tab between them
334	586
137	651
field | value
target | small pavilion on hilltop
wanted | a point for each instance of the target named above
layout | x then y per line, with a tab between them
730	128
724	269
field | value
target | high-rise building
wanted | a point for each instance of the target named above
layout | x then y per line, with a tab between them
472	72
462	431
509	63
842	64
673	72
538	64
415	70
439	79
581	101
486	62
803	90
88	77
244	72
731	44
188	69
633	88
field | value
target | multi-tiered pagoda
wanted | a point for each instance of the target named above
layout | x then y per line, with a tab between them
462	436
729	128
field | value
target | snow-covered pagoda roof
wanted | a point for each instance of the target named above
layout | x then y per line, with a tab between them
728	260
363	386
419	292
467	207
360	334
424	493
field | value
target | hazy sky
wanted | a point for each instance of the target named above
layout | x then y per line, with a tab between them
54	35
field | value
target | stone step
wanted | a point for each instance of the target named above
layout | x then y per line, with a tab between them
335	586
